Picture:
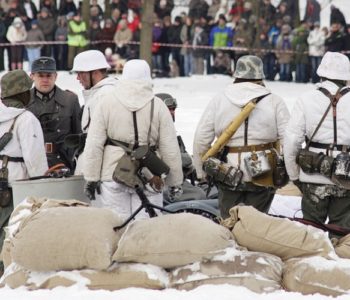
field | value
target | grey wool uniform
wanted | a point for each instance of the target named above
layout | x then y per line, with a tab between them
59	116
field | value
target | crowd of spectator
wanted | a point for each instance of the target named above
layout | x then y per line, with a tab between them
196	42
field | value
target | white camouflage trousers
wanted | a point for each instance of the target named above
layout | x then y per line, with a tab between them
124	200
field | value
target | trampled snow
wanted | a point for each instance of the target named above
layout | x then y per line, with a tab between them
192	94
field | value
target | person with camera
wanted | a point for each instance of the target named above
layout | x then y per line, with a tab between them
57	110
91	68
321	168
244	169
128	130
22	151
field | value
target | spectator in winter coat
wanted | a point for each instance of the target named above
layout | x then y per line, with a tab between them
122	37
335	42
157	31
312	11
198	9
113	120
316	40
134	24
267	12
163	8
337	16
29	9
106	34
284	44
222	63
301	59
16	33
242	38
66	7
47	24
174	37
122	5
34	35
3	31
322	198
25	151
61	50
221	35
94	30
200	38
186	36
266	126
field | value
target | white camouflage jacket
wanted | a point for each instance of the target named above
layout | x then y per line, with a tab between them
306	114
113	119
27	142
266	122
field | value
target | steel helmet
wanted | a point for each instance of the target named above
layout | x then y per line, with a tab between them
90	60
249	67
169	100
334	65
14	83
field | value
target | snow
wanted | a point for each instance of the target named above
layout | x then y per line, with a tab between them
192	94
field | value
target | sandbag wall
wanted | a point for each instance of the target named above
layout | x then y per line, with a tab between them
52	243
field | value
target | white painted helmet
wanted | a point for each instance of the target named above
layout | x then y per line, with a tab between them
334	65
90	60
136	69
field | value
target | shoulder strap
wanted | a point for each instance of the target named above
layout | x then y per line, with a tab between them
246	121
333	103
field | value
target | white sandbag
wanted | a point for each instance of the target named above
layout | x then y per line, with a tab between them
66	238
313	275
119	276
278	236
172	240
259	272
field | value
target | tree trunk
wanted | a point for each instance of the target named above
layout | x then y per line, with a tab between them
146	31
86	13
107	9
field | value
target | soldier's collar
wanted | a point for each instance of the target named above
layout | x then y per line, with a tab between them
45	97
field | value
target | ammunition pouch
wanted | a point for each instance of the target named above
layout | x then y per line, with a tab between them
280	176
341	170
222	173
126	171
257	164
5	193
315	163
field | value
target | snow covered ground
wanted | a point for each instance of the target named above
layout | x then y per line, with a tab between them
192	95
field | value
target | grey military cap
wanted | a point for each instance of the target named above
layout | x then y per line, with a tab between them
249	67
14	83
44	64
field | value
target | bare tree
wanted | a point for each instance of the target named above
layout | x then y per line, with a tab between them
146	31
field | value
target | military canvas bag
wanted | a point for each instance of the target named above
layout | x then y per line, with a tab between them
126	171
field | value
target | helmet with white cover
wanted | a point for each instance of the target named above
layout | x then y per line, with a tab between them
90	60
334	65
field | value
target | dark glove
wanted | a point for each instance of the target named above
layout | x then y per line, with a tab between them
91	187
175	193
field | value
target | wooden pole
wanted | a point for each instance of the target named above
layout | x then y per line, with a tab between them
85	13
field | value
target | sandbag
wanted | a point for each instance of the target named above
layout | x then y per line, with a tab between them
259	272
24	210
66	238
278	236
119	276
317	275
172	240
342	246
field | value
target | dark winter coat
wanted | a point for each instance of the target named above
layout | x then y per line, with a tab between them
106	34
335	42
59	117
198	8
199	39
66	8
166	11
174	33
48	27
312	12
337	17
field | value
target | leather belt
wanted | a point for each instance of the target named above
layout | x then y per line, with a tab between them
14	159
50	148
326	146
251	148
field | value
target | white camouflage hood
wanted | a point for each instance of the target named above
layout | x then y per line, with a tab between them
8	113
241	93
